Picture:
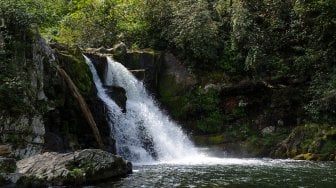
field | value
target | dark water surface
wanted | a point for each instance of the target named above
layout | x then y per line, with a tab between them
232	173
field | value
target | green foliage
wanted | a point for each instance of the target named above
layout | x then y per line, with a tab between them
322	91
193	29
131	23
157	14
16	14
87	20
205	105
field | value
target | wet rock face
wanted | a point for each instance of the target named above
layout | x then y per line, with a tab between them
145	65
21	123
118	94
24	135
80	167
100	63
147	142
265	105
48	119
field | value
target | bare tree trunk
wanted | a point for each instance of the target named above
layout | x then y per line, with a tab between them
85	109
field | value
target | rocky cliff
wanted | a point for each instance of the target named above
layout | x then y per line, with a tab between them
48	103
45	115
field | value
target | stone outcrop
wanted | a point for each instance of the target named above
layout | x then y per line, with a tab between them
309	142
174	81
22	123
25	134
179	72
85	166
146	65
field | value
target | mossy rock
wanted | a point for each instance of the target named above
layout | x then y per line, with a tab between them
307	142
73	62
313	157
208	140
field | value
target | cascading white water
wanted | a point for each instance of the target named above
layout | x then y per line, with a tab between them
144	132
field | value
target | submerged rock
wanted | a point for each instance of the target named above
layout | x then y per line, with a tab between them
80	167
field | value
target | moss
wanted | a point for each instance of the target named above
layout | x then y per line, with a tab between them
207	140
306	156
313	157
77	173
173	95
74	64
217	139
317	142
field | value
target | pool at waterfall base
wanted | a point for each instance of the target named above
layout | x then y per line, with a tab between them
229	172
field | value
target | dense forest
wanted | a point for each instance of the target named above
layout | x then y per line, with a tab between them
257	63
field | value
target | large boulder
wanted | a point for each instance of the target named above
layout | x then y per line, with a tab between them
90	165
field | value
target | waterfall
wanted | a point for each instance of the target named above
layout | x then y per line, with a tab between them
144	133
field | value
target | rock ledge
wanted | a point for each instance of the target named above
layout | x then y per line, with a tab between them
80	167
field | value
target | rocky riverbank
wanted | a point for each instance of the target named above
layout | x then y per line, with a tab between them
53	169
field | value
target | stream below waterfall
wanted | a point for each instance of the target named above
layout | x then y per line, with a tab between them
232	173
163	156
